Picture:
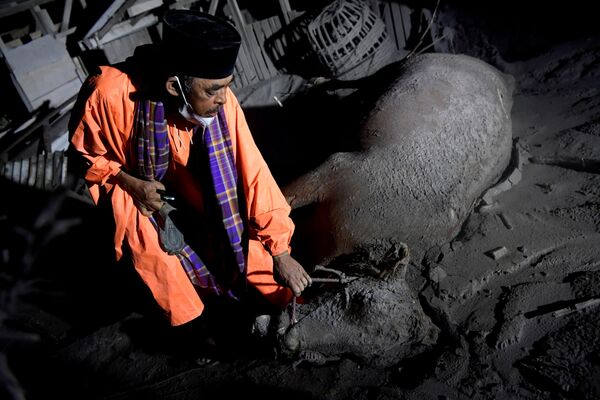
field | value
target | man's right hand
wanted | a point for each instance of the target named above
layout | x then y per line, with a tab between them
144	193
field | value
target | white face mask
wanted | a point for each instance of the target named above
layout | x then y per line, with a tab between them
188	112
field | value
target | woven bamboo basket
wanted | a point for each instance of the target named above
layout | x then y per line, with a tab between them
350	39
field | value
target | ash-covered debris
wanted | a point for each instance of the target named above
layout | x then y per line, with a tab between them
566	361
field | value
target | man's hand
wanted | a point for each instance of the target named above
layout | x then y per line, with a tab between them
144	193
290	273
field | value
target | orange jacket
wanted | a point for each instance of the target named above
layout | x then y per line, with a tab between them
102	137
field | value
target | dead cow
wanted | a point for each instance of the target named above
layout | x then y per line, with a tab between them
371	315
433	142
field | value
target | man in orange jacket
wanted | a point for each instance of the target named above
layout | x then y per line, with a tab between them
167	144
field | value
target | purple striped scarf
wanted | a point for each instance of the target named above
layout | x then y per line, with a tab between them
152	155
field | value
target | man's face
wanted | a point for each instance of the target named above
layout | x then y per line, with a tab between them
208	95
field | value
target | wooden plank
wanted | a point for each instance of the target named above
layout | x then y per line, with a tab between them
212	9
247	40
247	68
15	166
285	10
64	168
238	72
250	74
3	48
295	14
262	30
400	25
14	44
6	169
243	82
58	96
44	22
118	50
254	51
62	36
242	66
48	171
66	17
142	6
129	27
32	171
275	28
115	18
57	161
12	7
105	17
238	81
41	170
389	23
237	16
262	33
276	43
24	170
48	61
260	54
285	6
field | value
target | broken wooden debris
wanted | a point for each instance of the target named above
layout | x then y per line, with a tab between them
582	305
505	220
42	171
497	253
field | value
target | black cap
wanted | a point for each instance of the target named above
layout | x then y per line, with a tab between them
199	44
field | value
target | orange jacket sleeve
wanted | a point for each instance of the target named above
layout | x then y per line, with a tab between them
102	134
268	211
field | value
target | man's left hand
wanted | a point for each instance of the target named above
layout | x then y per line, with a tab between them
288	272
